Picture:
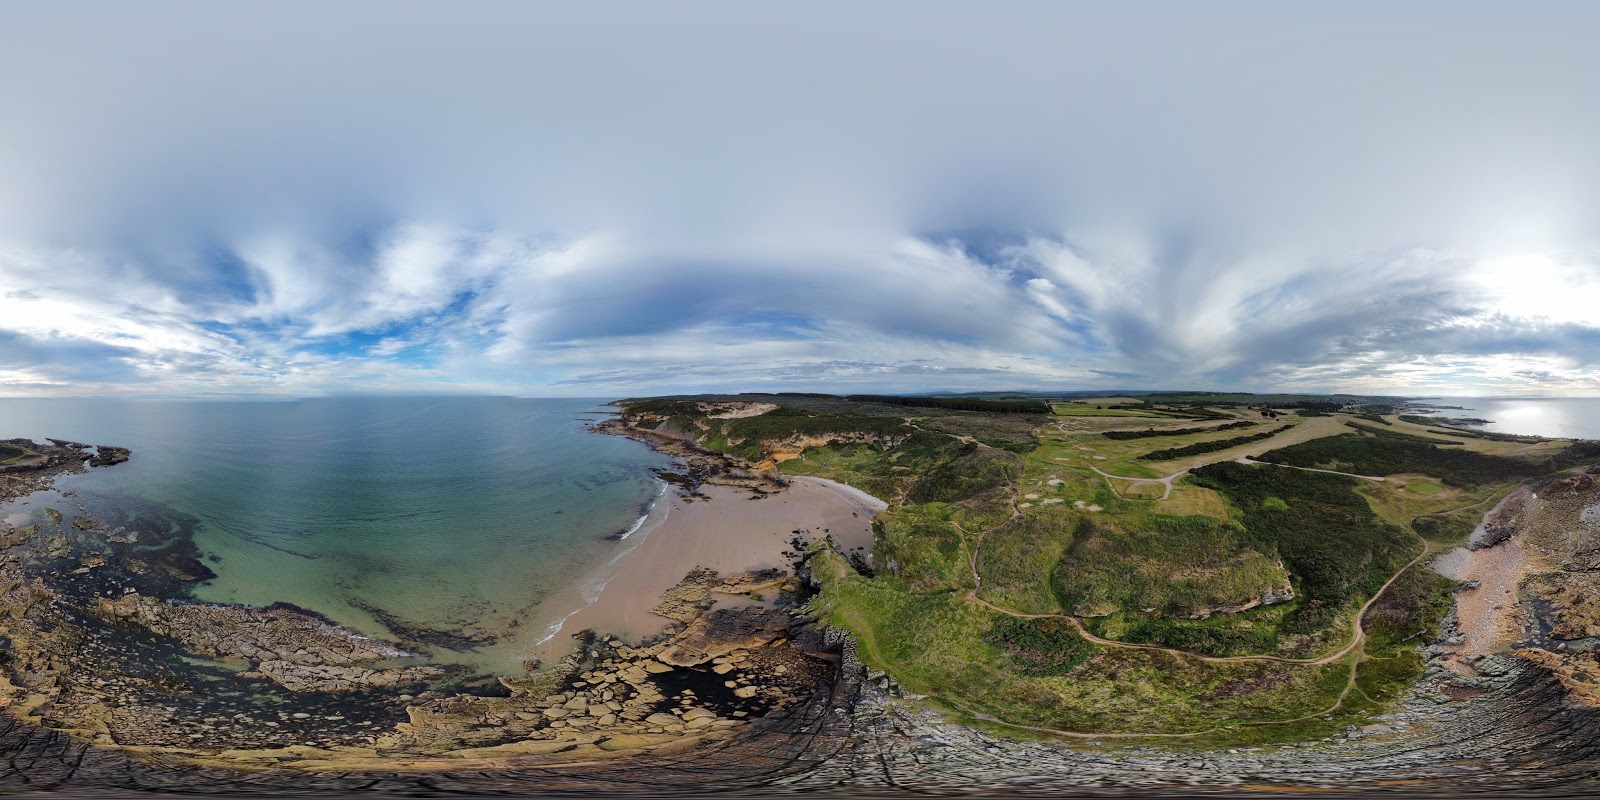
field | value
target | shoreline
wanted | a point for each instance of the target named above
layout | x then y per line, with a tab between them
731	531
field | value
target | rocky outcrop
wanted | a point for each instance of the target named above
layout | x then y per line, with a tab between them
699	465
1282	594
42	464
1502	522
298	650
1570	603
723	631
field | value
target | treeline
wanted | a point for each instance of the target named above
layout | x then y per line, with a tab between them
956	403
1201	448
1151	433
1325	532
1375	455
1404	437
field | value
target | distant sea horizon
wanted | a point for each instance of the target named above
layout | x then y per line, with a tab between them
1554	417
464	519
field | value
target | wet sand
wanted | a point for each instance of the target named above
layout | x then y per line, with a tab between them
729	533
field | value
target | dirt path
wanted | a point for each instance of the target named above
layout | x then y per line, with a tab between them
1167	481
1253	462
1354	647
1358	634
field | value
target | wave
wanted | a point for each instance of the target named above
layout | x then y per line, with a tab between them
643	516
593	584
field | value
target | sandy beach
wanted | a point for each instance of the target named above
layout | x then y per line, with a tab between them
729	533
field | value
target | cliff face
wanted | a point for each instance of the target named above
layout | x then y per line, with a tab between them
1282	594
785	448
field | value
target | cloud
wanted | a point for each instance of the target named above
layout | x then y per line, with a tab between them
532	198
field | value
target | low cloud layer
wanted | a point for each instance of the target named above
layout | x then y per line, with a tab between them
612	199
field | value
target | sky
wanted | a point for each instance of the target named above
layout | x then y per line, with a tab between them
607	199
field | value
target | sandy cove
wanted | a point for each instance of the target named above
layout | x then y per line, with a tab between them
732	531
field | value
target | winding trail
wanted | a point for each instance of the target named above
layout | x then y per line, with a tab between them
1167	481
1253	462
1353	650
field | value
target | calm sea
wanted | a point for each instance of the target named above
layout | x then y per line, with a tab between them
1556	417
451	515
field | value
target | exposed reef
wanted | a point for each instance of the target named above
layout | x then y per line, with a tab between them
114	684
699	465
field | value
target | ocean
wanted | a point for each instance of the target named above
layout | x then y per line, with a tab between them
1555	417
465	522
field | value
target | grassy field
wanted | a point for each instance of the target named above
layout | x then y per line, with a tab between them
11	452
1047	512
1102	410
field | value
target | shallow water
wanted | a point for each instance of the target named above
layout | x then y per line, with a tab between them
451	519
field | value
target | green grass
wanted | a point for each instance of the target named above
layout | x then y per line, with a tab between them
11	452
1018	559
1250	632
922	547
1337	540
1424	488
1406	437
1090	410
1335	545
1201	448
1150	433
1175	566
1383	455
1039	674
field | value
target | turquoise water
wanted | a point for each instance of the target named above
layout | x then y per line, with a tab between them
1556	417
461	520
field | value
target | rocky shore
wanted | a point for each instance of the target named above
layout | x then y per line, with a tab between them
101	643
700	466
111	689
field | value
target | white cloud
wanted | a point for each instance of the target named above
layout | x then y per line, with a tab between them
536	198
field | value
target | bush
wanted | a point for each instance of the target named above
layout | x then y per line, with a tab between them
1326	533
1201	448
1387	455
1154	432
1042	647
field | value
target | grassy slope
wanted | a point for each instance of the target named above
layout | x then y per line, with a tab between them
1017	504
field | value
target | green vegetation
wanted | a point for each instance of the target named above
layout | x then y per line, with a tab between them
750	437
1088	410
11	452
1381	455
1407	437
995	516
956	403
1338	550
1014	432
1040	673
1047	646
1323	402
1180	566
1019	559
1201	448
922	547
1149	433
1448	526
1223	635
